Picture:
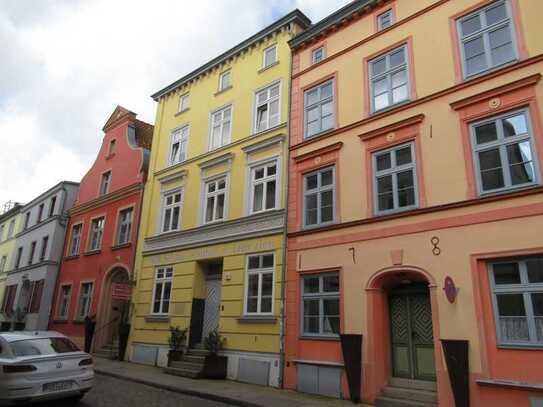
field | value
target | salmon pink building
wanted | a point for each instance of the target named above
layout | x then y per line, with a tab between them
97	271
415	213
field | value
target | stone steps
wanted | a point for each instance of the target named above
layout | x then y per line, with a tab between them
408	393
192	374
391	402
191	364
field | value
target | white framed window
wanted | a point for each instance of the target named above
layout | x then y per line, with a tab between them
389	79
487	38
264	187
2	227
183	102
225	80
395	179
162	291
503	152
11	228
517	296
27	220
65	296
3	262
319	197
124	227
320	305
104	182
268	107
75	239
19	257
215	200
221	127
96	233
40	213
32	252
269	56
317	55
85	298
319	109
52	205
171	211
259	286
43	251
385	20
178	145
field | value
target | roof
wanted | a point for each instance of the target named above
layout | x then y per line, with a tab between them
49	191
354	8
13	211
22	335
295	16
115	117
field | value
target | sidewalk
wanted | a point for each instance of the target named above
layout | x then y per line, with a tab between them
225	391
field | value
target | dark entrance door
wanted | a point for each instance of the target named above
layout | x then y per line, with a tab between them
411	333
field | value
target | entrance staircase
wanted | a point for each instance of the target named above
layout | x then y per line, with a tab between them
109	351
408	393
191	364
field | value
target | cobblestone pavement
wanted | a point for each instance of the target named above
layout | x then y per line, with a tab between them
111	392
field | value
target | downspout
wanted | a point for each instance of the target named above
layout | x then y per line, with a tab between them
285	236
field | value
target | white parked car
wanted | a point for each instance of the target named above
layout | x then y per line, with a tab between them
38	366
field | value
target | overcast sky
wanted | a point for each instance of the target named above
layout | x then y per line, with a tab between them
66	64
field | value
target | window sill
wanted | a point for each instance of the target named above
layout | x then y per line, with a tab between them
157	318
527	347
394	211
92	252
72	257
390	108
322	133
466	78
121	246
510	384
181	112
257	319
264	69
320	338
109	156
508	190
316	227
220	92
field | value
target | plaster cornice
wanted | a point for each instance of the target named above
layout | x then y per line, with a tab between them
106	199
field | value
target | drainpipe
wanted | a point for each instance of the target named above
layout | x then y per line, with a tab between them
285	231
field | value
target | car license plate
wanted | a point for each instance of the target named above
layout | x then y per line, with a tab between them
57	386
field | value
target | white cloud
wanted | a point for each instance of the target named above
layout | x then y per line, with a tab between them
65	65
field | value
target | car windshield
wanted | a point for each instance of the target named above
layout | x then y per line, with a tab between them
43	346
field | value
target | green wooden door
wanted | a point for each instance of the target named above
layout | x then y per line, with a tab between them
411	334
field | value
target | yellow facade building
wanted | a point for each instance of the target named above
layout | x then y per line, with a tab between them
211	244
9	227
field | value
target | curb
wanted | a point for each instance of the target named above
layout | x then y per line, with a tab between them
180	390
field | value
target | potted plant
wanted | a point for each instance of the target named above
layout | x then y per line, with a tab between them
176	341
214	365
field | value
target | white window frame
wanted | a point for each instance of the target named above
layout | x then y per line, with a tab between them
526	289
2	228
502	144
179	136
319	104
394	170
52	205
225	140
171	207
11	228
18	258
223	83
253	167
163	275
319	190
88	296
99	231
183	103
216	179
75	240
380	23
61	298
126	223
3	262
484	32
387	75
105	182
265	53
43	249
260	272
267	102
314	53
321	296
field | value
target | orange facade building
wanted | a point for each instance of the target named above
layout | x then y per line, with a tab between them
416	203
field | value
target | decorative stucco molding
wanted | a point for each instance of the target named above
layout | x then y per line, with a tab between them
264	224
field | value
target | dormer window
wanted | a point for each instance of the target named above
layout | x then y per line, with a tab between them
183	102
112	146
104	184
225	80
317	55
270	56
385	20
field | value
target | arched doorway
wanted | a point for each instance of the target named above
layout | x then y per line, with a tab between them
402	328
114	307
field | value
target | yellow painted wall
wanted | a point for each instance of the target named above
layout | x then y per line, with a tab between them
8	249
